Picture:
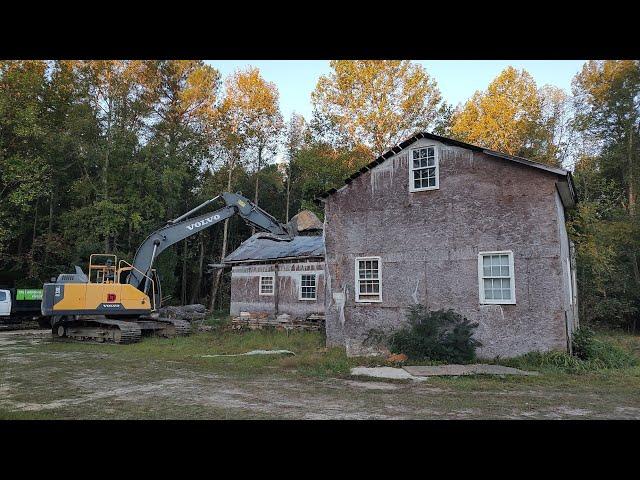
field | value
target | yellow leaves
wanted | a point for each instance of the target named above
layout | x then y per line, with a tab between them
505	117
250	108
376	103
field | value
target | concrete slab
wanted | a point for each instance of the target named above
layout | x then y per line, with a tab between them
458	370
384	372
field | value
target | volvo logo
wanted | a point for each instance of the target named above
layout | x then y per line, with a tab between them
203	222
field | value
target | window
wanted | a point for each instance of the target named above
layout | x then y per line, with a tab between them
307	287
3	296
368	279
496	276
266	285
424	169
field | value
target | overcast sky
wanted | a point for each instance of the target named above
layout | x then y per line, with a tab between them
457	79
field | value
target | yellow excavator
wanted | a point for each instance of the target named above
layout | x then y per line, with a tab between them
118	301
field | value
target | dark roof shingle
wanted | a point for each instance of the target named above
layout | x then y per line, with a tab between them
260	248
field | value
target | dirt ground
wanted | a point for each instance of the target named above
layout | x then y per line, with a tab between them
40	378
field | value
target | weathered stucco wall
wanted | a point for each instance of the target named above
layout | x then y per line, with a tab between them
245	285
429	243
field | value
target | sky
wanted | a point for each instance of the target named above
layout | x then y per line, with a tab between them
457	79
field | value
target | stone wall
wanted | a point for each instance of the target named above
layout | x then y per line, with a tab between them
429	243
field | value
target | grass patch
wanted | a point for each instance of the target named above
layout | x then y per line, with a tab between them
593	353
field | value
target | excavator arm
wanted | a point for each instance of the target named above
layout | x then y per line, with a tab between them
184	226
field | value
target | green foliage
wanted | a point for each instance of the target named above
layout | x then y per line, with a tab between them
599	353
441	335
591	354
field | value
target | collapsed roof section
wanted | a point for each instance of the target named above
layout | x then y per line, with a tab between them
261	247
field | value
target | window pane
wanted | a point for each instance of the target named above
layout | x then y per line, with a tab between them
416	154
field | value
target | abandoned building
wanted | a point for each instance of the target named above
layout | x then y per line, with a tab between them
451	225
278	279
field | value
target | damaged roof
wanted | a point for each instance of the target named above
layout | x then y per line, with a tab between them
569	196
259	248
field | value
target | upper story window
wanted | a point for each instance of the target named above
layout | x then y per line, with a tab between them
266	285
368	279
307	287
423	169
496	277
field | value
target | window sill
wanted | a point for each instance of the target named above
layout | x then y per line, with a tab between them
307	299
425	189
498	303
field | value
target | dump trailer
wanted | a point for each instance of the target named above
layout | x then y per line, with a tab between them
20	304
117	301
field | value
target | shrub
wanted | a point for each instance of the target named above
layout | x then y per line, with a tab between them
441	335
599	353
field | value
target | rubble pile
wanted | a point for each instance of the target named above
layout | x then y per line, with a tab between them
283	321
194	313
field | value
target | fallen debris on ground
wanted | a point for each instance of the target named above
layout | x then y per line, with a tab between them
384	372
253	352
458	370
191	313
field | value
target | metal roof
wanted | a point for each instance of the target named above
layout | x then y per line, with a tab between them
260	248
449	141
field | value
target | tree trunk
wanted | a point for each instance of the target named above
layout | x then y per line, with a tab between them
35	223
105	168
51	213
255	200
183	292
195	294
632	208
218	273
288	190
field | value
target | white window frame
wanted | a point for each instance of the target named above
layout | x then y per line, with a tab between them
357	280
412	169
512	278
273	287
315	287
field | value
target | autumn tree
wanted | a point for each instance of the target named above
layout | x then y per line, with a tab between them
607	96
504	117
259	121
297	136
374	103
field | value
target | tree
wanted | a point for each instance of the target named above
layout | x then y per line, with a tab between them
24	173
374	103
505	117
254	102
184	95
607	97
297	136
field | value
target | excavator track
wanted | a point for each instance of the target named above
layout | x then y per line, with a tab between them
99	330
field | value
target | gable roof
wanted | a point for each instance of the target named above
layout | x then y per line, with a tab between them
260	248
567	196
